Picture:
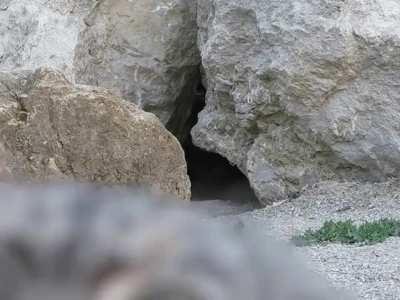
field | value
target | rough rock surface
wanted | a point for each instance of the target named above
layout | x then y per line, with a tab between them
35	33
300	91
146	50
51	129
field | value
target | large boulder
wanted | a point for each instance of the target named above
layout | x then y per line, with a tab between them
300	91
53	130
145	50
40	32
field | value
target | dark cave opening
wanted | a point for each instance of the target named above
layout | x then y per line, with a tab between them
213	177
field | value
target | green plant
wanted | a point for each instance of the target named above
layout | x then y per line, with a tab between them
347	232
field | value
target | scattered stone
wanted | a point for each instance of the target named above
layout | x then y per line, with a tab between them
371	272
343	208
217	208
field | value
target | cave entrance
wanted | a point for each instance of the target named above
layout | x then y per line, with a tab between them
212	176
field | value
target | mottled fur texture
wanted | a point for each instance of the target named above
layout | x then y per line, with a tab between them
75	242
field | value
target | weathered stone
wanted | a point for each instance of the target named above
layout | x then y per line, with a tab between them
36	33
51	130
145	50
302	90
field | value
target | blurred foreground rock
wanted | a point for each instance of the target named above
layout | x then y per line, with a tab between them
53	130
79	243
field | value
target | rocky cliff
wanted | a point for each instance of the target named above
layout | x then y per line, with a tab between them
297	91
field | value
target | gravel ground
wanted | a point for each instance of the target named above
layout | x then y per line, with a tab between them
370	272
217	208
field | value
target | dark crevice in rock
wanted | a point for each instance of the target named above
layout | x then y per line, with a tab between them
212	176
192	96
22	111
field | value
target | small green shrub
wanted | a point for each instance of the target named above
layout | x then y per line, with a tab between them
347	232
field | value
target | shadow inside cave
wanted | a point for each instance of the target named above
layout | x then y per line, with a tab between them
214	178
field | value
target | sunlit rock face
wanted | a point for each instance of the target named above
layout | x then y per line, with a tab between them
54	130
299	91
145	50
35	33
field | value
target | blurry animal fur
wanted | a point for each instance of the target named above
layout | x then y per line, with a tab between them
75	242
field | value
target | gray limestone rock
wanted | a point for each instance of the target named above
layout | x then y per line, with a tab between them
299	91
146	51
35	33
